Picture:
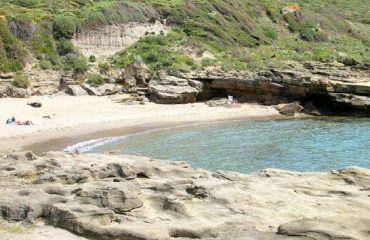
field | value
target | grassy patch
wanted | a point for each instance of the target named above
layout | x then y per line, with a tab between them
21	81
12	53
157	52
14	227
76	63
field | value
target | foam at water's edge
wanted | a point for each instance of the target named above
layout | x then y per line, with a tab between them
94	143
89	145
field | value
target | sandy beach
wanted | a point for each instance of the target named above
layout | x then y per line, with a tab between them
65	120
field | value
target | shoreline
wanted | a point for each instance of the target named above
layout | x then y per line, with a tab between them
62	139
78	119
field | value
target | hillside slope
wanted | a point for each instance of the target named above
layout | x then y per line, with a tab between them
55	43
239	33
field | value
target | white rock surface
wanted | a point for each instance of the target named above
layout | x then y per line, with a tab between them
108	40
130	197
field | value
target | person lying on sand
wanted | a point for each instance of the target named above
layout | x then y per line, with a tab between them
24	123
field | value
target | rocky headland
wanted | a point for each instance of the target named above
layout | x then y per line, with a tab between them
320	88
131	197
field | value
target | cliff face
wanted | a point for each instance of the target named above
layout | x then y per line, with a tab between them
106	41
332	88
129	197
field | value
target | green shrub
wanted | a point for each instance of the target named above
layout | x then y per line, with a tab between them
321	37
43	45
307	34
293	24
322	55
105	66
95	79
12	53
64	27
273	14
92	59
25	3
206	62
44	64
65	47
21	81
269	32
156	52
95	19
76	63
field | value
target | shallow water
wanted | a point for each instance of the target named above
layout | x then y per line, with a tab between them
248	146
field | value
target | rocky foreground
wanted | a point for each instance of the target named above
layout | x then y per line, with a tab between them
131	197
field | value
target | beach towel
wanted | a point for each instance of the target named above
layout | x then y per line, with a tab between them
10	120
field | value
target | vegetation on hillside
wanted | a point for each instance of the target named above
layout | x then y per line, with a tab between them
240	34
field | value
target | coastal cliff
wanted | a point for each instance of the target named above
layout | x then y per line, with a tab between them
131	197
336	89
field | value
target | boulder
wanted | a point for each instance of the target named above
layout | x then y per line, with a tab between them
217	102
172	94
172	90
78	217
21	212
22	156
350	62
76	90
128	99
22	28
103	90
13	92
196	84
136	74
22	203
43	82
290	109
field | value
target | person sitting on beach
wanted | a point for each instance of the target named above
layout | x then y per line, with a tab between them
230	99
24	123
10	120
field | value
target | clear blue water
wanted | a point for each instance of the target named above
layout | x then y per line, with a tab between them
248	146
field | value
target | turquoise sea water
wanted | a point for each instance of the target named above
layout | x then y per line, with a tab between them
248	146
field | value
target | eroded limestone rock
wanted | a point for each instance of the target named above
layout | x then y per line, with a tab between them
291	109
172	90
129	197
